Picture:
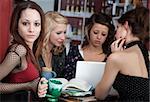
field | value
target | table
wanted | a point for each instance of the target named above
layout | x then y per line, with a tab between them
109	98
78	99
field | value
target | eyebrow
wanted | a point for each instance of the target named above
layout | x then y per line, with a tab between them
29	20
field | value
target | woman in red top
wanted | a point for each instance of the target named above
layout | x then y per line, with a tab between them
19	70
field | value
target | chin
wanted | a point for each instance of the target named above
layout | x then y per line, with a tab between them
98	45
58	45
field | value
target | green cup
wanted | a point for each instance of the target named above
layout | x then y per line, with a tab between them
54	90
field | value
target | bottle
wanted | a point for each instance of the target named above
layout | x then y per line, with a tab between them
80	27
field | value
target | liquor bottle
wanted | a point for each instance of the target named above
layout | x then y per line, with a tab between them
72	6
80	27
68	6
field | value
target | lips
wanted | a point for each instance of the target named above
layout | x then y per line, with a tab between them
31	35
97	42
60	42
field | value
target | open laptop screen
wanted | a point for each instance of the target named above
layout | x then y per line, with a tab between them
89	71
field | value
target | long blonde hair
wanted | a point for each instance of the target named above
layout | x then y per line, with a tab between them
51	20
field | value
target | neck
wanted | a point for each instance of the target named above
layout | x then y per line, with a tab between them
131	39
30	45
94	49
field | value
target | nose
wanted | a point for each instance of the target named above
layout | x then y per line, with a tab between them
99	36
63	37
116	35
31	28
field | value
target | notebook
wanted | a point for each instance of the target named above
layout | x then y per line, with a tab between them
89	71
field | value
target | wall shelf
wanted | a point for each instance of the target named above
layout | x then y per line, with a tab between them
77	11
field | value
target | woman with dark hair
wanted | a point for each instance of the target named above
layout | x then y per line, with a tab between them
19	70
127	69
143	19
96	46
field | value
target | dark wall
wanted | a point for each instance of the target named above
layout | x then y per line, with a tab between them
5	14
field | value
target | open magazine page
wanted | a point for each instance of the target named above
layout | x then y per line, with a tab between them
67	93
75	87
77	84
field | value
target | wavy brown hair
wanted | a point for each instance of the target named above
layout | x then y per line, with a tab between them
17	39
138	20
103	19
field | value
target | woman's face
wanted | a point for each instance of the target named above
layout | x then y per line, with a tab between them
121	32
29	25
58	35
98	34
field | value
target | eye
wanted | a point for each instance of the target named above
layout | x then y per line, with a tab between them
37	24
103	34
65	32
25	23
58	33
95	32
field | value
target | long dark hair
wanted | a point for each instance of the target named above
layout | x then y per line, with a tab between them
17	39
134	22
103	19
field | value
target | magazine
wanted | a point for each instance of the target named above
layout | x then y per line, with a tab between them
75	84
75	87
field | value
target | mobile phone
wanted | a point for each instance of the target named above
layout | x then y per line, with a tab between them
120	42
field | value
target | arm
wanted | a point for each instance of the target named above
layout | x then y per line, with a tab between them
10	87
11	60
110	73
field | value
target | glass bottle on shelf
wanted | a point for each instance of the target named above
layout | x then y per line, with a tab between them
67	7
77	7
80	27
72	6
87	6
92	7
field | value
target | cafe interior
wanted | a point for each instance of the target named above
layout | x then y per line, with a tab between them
77	12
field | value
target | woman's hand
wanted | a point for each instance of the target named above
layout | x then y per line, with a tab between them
33	85
117	45
42	87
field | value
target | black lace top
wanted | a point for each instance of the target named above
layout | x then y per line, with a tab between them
133	88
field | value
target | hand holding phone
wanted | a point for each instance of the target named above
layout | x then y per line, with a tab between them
121	43
118	45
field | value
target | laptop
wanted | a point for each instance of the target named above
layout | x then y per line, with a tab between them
92	72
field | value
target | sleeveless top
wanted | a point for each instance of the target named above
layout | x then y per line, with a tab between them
29	74
133	88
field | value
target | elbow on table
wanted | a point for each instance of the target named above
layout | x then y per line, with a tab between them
100	95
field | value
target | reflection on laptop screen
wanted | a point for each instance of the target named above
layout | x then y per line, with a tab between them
89	71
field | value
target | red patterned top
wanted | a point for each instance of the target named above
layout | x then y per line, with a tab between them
29	74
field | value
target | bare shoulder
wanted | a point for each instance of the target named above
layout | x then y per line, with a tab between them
19	49
117	56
